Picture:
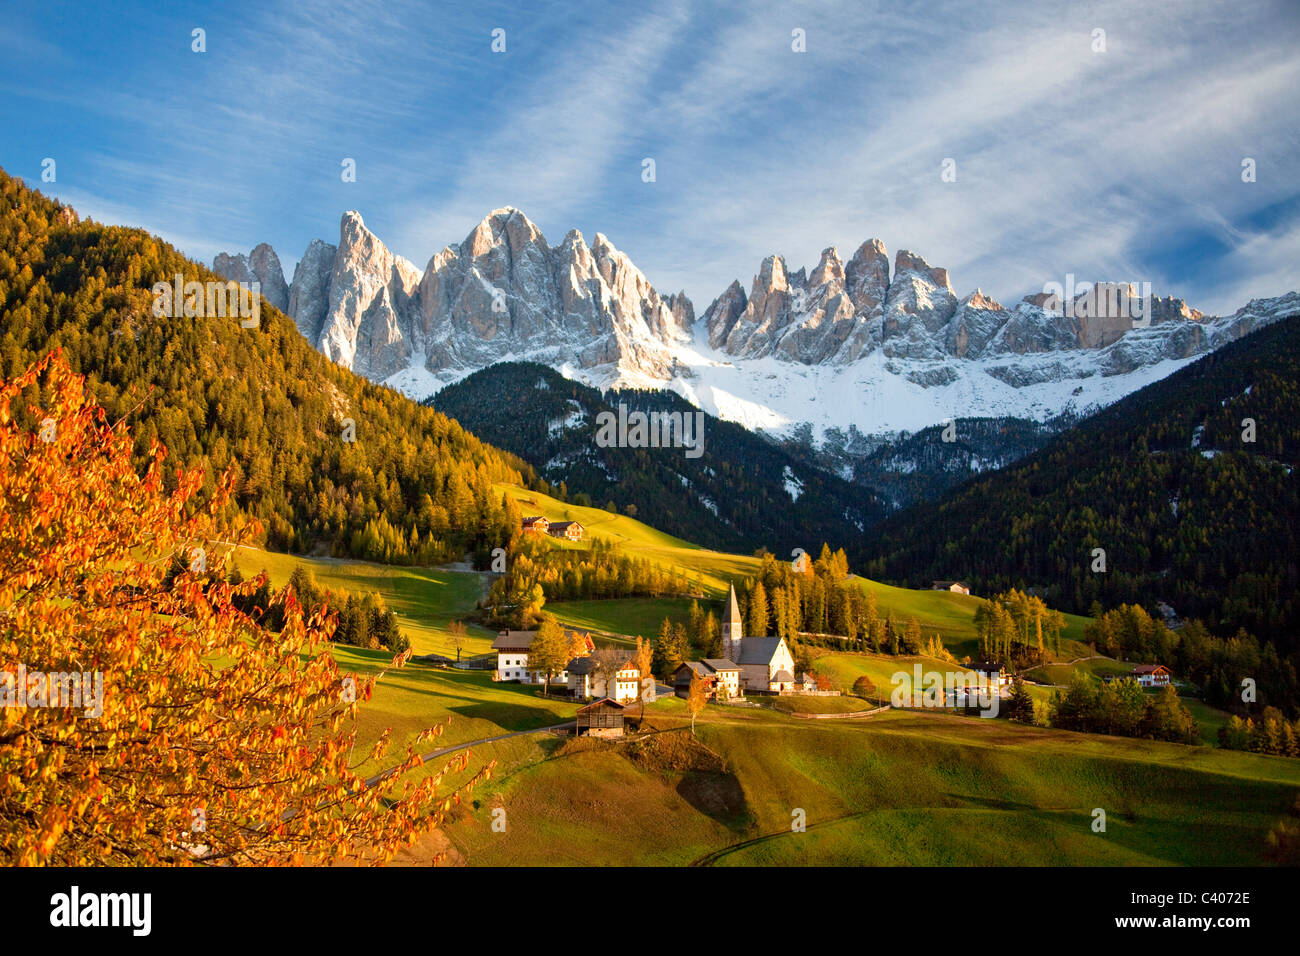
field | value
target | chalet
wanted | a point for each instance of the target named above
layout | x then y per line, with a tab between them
536	524
957	587
569	530
512	657
808	683
584	679
992	674
1152	675
721	675
603	718
765	663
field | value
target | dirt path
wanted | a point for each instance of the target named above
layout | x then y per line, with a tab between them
434	755
853	715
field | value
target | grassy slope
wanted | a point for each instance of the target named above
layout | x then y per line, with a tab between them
915	788
418	696
425	600
953	616
895	789
713	569
631	616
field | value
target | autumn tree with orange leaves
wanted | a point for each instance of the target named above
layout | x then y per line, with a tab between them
219	741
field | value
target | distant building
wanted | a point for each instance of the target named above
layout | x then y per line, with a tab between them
957	587
604	718
992	673
1152	675
765	663
720	675
535	524
570	530
512	657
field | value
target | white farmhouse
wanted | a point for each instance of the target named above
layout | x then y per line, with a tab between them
512	657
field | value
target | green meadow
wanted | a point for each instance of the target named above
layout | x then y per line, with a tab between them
919	788
894	789
425	600
712	570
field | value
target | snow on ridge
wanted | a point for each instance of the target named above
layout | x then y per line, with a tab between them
793	486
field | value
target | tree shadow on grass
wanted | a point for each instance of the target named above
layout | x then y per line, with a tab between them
718	795
508	716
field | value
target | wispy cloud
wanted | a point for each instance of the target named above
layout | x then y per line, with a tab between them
1117	164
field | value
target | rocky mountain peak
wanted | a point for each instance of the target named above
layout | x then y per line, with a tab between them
721	315
829	269
978	300
771	277
261	265
907	261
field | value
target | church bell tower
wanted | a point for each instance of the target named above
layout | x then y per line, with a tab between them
732	630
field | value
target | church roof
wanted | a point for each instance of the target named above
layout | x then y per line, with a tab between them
755	650
783	677
732	614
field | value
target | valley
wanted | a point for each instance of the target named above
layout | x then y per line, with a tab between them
320	476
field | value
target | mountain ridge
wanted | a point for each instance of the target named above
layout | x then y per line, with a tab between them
505	294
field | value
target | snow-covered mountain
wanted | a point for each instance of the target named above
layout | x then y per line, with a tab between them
851	344
502	293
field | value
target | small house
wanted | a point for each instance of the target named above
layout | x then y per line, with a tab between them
512	657
569	530
956	587
604	718
585	679
535	524
992	674
721	676
1152	675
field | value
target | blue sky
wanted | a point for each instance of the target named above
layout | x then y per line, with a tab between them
1122	165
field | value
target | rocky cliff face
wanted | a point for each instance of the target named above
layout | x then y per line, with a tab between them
502	292
261	265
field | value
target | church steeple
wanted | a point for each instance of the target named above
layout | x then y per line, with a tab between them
732	629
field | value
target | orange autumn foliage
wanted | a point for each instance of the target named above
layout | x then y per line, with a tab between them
219	742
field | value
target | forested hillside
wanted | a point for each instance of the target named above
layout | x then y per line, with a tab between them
922	466
413	485
1188	509
743	493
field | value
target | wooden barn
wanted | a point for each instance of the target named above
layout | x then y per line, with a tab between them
603	718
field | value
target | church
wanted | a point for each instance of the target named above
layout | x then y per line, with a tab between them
765	662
